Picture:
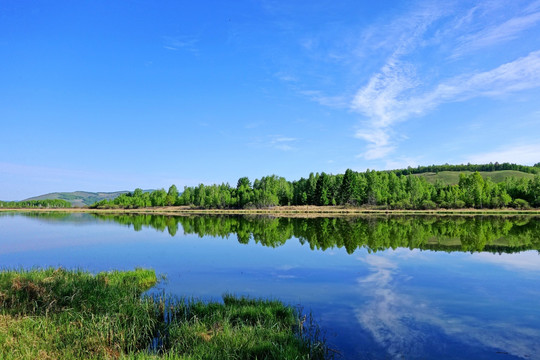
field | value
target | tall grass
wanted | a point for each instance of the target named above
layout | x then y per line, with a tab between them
59	314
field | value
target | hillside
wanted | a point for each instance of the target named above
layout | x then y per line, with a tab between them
452	177
80	198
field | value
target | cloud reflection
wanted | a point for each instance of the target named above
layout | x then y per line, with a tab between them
385	317
529	260
412	326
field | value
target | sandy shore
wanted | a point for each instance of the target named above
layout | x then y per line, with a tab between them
301	211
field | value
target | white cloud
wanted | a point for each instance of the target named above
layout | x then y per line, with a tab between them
254	124
180	43
392	95
528	261
281	139
498	33
408	84
401	162
278	142
283	147
382	99
330	101
374	151
520	154
286	77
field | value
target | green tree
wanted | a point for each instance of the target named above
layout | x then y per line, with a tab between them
347	187
322	190
172	196
244	191
158	197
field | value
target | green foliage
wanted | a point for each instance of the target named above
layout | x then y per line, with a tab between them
48	203
55	314
242	328
380	189
172	196
452	177
520	204
469	167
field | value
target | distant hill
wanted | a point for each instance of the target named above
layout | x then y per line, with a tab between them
80	198
452	177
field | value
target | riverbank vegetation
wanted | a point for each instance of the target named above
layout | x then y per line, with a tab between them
60	314
397	189
43	204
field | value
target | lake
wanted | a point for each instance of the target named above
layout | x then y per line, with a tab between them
381	287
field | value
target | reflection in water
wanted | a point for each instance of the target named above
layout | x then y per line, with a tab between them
383	315
478	233
407	328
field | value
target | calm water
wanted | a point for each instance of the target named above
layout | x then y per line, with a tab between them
382	288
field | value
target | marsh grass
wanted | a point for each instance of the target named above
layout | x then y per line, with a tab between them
59	314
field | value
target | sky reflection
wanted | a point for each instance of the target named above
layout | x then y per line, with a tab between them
407	323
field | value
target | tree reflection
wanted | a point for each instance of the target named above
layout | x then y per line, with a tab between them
477	233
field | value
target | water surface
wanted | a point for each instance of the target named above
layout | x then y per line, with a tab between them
382	287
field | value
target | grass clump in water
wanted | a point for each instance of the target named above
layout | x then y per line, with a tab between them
59	314
241	328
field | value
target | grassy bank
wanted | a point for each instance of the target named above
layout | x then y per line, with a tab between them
59	314
289	211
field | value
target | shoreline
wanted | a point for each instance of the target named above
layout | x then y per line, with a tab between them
285	211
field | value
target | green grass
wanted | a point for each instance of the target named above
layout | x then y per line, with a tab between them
452	177
59	314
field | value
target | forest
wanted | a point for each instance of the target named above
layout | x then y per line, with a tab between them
48	203
396	189
535	169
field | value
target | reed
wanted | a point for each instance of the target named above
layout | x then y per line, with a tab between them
61	314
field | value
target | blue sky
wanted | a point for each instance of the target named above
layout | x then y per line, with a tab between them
113	95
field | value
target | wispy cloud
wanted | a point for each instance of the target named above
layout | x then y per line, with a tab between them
180	43
393	95
379	144
521	154
282	143
278	142
253	124
325	100
526	261
401	162
286	77
281	139
521	74
498	33
407	65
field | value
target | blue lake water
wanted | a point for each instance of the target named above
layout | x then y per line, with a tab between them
427	300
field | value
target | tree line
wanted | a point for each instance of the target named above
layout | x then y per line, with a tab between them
47	203
535	169
379	189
